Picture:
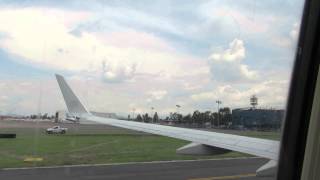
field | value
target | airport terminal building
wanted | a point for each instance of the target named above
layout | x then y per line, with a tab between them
252	118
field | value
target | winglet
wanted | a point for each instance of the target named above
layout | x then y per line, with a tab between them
74	105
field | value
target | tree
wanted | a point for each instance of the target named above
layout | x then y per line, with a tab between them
45	116
214	119
207	117
146	118
196	117
155	117
139	118
187	119
225	116
176	117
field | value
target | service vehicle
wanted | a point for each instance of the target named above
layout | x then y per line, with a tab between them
56	130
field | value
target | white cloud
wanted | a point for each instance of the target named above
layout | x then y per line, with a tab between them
47	39
3	98
282	41
227	66
288	40
236	52
120	17
22	96
130	38
204	96
232	18
295	31
48	43
24	84
192	86
157	94
270	93
44	39
117	73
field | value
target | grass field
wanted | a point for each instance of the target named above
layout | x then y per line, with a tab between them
93	145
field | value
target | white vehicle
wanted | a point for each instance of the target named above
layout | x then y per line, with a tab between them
202	142
56	130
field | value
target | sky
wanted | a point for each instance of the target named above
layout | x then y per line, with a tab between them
122	56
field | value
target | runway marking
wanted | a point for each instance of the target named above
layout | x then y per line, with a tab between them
128	163
226	177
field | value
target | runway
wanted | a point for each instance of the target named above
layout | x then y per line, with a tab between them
242	168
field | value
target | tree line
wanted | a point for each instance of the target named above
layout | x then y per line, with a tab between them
221	118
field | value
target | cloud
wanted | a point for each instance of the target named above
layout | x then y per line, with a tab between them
192	86
130	38
295	31
27	96
289	39
157	95
3	102
44	39
119	53
236	52
227	66
116	18
118	73
48	43
204	96
270	93
3	98
236	19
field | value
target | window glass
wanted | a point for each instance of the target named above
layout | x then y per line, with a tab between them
213	66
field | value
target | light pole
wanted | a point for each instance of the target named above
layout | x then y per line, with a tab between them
178	107
218	102
133	110
152	113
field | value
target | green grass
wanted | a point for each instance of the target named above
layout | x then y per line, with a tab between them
110	147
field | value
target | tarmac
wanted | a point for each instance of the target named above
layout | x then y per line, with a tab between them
223	169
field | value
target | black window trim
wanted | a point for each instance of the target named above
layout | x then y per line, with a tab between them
301	93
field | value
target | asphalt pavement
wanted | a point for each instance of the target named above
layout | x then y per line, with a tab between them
242	168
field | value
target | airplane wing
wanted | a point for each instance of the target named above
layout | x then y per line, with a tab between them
202	141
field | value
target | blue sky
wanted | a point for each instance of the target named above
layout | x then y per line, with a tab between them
121	55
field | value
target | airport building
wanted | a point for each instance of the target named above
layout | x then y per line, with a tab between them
252	118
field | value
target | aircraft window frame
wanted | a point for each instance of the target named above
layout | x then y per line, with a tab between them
301	94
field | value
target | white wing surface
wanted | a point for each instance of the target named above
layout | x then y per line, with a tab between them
254	146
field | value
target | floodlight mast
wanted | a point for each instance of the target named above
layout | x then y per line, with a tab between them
133	111
152	114
253	101
218	102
